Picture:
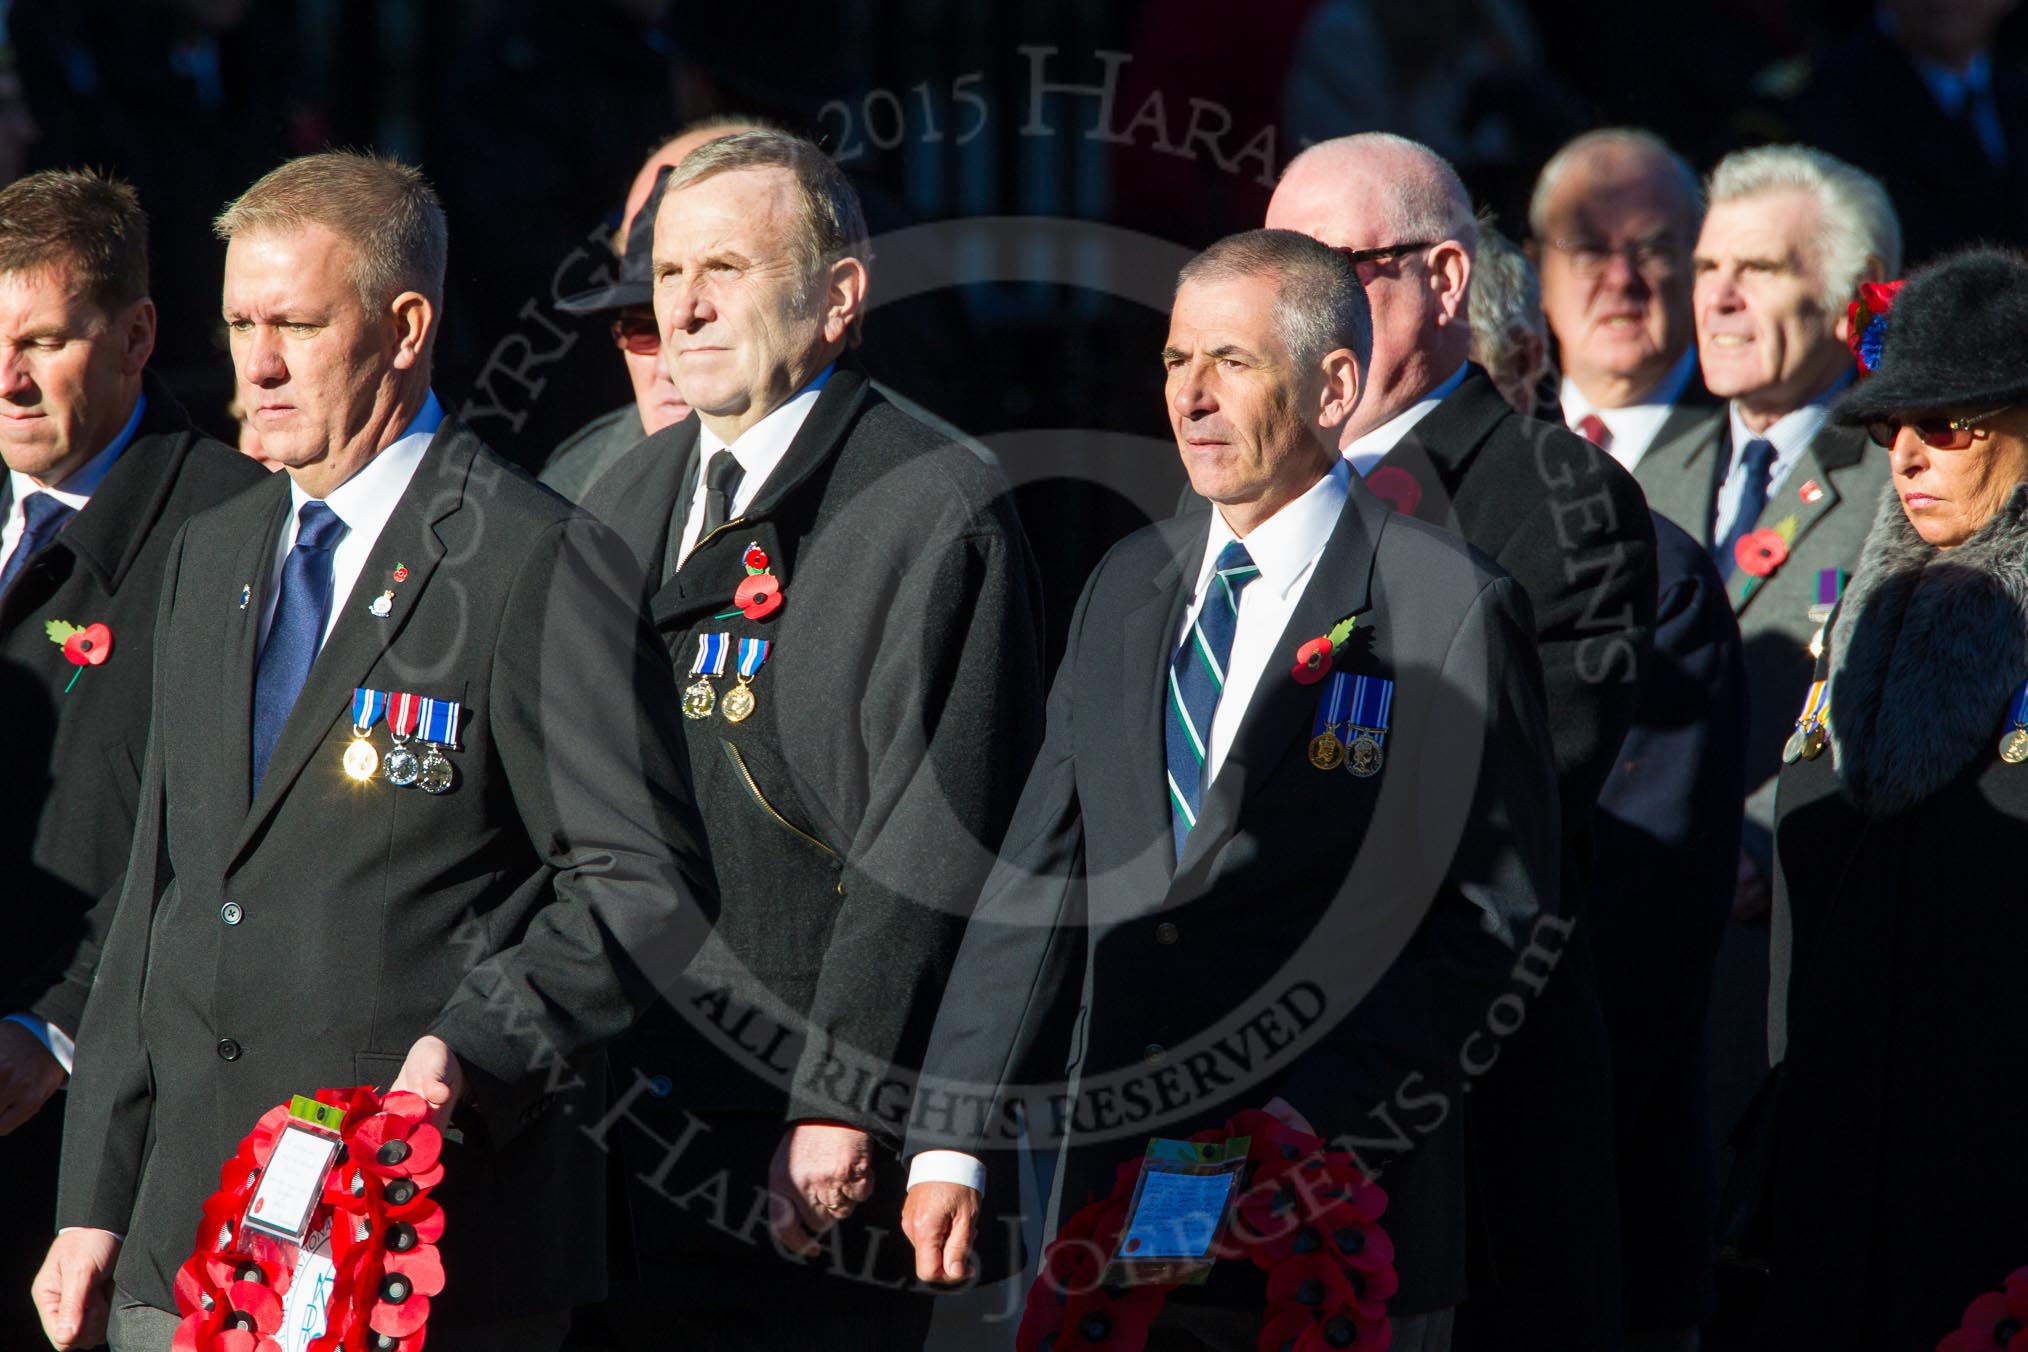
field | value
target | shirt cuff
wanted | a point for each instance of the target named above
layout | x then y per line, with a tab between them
54	1039
947	1166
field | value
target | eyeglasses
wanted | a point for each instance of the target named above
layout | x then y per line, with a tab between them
1381	252
1654	256
1939	434
637	334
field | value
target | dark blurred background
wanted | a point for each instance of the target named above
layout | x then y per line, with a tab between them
532	115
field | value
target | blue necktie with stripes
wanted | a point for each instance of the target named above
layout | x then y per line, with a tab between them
1196	680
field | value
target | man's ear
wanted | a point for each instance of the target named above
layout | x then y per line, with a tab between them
845	285
1343	385
137	339
413	317
1450	273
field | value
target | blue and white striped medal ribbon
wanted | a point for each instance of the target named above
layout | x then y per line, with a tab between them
361	760
1372	707
1327	751
739	701
439	727
699	698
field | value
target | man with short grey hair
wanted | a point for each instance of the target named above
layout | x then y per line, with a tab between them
1783	498
466	904
1434	435
854	607
1613	215
1196	837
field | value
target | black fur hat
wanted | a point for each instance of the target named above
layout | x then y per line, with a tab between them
1956	341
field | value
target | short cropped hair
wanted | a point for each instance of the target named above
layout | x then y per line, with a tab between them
386	209
1859	221
90	222
1319	304
1632	139
831	224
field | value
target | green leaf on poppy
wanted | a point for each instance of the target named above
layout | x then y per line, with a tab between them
1342	631
59	631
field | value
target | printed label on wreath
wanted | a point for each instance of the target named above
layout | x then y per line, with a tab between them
1179	1206
306	1306
293	1182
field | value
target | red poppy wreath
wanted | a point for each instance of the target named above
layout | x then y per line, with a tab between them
374	1232
1305	1216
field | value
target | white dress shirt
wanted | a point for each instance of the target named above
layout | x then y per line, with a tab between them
1633	427
74	492
1790	436
363	502
1285	548
1370	449
759	449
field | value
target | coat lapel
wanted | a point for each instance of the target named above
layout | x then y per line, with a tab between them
1148	643
1833	448
359	637
248	582
1283	710
1682	469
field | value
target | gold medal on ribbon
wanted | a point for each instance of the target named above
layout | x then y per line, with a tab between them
2014	746
1815	739
361	760
1326	751
738	702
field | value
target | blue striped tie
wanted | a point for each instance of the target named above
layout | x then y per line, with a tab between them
1196	680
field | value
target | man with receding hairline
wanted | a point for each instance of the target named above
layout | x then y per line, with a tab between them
102	469
1435	436
295	917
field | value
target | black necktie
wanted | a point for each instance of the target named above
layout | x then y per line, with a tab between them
43	519
721	482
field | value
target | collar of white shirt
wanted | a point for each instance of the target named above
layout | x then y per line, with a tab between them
363	502
1633	426
1285	545
1370	449
1790	434
761	447
79	485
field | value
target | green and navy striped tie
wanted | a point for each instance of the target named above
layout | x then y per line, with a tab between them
1196	680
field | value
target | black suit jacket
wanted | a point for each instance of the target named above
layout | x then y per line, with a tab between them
73	756
1331	939
854	815
268	944
1573	528
72	753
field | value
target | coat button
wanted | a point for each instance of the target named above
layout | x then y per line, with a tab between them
661	1087
1154	1052
230	913
228	1050
1166	933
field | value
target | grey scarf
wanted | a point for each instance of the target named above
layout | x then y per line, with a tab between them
1926	651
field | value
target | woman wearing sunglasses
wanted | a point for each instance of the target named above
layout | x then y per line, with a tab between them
1899	1178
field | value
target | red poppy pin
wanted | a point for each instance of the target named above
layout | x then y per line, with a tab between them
1313	659
86	645
1398	487
1760	552
760	595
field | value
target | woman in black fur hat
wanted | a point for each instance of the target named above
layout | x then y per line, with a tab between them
1899	1007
